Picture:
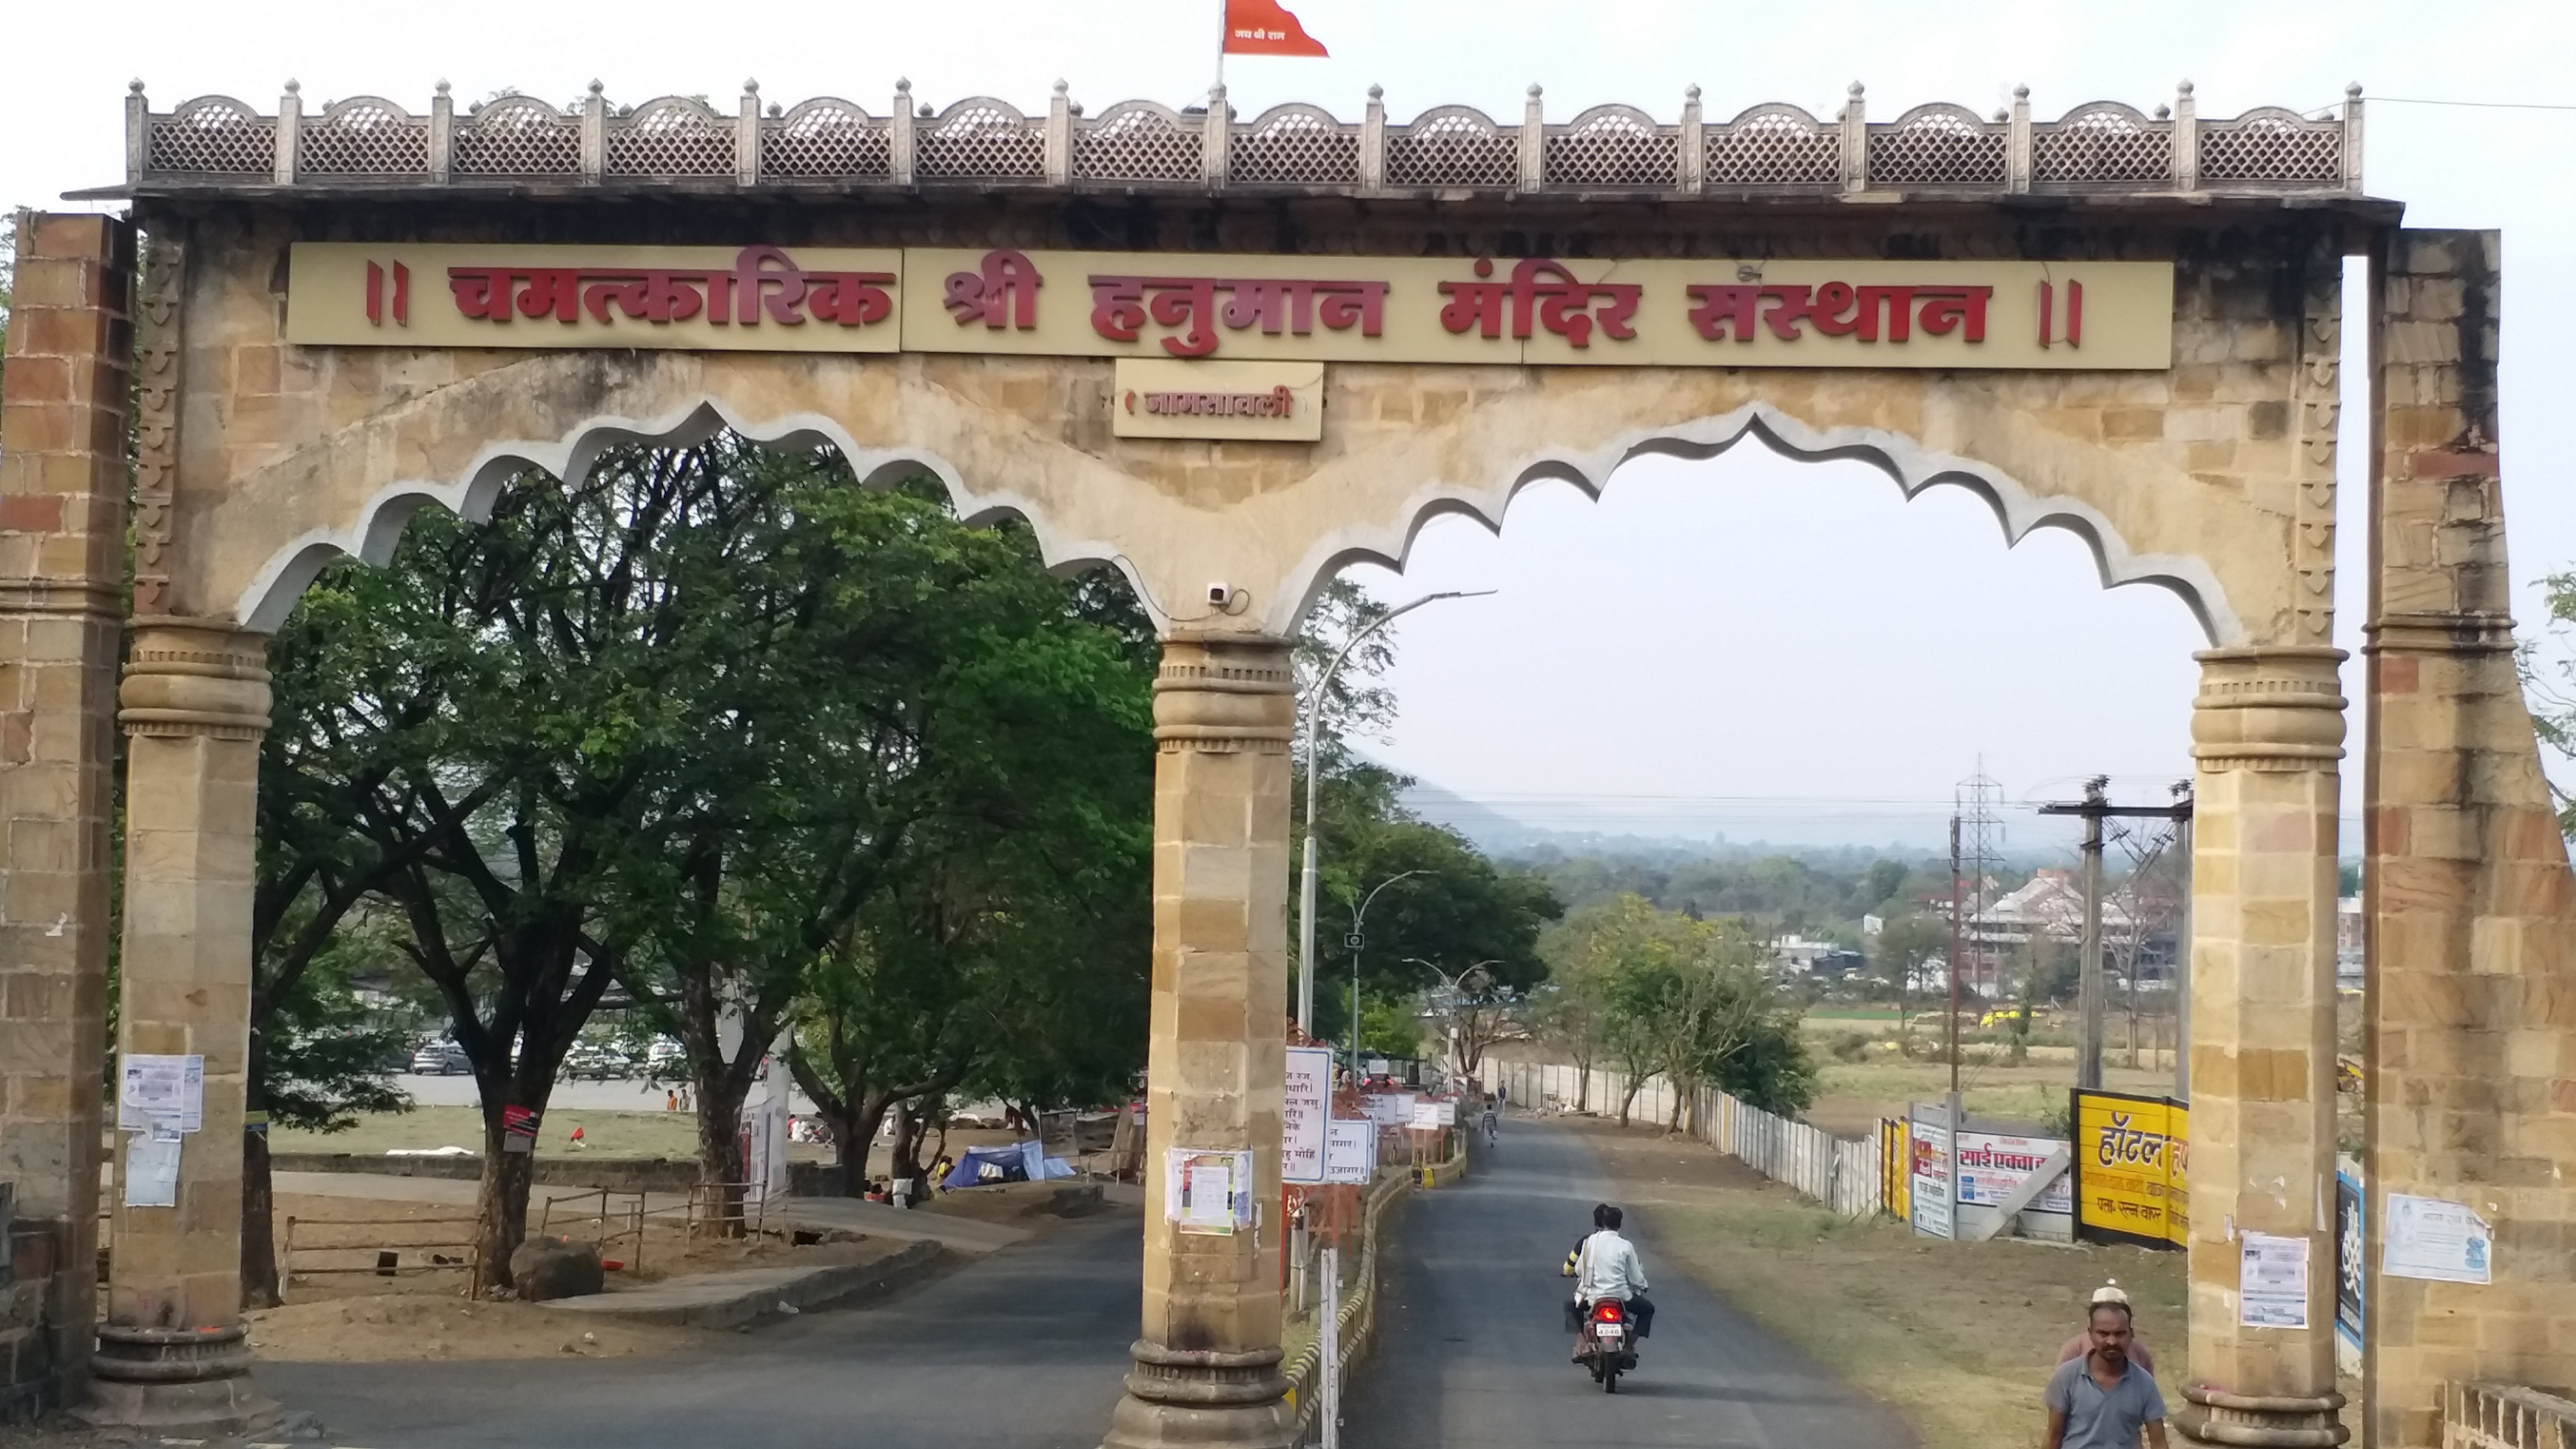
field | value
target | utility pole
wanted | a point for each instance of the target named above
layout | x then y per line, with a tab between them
2093	809
1953	972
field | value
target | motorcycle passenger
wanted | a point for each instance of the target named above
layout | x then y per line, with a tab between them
1606	1265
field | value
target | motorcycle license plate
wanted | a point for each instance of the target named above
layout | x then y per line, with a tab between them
1609	1334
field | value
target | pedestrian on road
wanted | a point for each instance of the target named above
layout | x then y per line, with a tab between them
2102	1400
2082	1343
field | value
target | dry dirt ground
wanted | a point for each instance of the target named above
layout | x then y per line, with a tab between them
1959	1337
360	1317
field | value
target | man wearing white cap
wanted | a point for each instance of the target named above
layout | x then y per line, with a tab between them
2082	1343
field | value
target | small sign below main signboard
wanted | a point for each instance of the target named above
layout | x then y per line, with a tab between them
1273	402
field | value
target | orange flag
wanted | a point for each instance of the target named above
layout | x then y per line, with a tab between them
1264	27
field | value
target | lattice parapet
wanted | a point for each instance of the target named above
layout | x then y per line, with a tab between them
1140	141
2102	144
1938	145
673	136
212	136
1452	146
1296	145
826	139
217	143
1611	146
517	136
1773	145
364	136
980	139
2271	146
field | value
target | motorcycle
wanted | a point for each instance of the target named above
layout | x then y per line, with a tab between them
1609	1343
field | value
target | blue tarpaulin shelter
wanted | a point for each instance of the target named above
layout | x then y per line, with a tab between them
1010	1162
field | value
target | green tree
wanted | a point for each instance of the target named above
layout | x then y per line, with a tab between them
1684	998
514	713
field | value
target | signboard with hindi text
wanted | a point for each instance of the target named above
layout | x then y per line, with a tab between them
1305	1114
2132	1169
1581	311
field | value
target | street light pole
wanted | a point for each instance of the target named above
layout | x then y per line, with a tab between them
1456	986
1307	877
1359	915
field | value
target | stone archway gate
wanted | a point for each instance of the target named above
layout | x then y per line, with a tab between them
1229	356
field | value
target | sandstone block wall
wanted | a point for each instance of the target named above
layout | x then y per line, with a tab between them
2471	907
63	425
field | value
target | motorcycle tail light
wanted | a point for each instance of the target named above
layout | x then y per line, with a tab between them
1607	1311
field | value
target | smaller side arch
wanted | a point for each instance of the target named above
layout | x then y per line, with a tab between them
374	533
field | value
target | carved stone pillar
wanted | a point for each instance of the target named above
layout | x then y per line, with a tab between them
195	703
2267	731
1207	1365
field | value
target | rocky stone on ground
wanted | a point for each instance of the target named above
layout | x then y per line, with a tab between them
546	1268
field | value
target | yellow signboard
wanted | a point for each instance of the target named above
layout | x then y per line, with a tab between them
2132	1169
1207	306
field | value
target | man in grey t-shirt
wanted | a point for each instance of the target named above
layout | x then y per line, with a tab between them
2102	1400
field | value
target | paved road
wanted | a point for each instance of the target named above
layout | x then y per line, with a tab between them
1020	1350
1474	1351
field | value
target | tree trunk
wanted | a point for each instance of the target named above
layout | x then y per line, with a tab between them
721	1167
1634	1085
501	1200
864	1123
259	1276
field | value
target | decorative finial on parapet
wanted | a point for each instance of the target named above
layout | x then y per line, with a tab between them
135	85
2021	93
441	87
902	87
2352	92
2183	89
1376	92
1854	90
294	87
1691	92
1534	90
2163	111
1060	87
750	87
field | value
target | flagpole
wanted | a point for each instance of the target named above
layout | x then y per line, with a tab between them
1220	44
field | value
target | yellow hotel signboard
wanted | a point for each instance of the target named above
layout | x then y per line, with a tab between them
1192	306
2132	1169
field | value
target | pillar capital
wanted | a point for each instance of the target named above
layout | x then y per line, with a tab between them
1221	693
194	677
2268	708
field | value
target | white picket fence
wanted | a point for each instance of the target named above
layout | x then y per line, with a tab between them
1843	1174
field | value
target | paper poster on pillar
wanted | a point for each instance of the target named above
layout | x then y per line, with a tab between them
2272	1281
1208	1191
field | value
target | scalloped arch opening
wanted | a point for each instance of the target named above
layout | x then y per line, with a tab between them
2018	510
378	527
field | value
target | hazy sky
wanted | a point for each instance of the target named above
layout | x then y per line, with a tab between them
1750	645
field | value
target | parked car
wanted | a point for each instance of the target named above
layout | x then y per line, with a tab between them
440	1059
665	1054
588	1061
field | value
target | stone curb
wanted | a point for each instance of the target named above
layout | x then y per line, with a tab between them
733	1300
1358	1315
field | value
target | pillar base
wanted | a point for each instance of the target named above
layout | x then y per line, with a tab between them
193	1380
2277	1421
1185	1397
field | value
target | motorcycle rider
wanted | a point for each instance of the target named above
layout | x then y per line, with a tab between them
1606	1265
